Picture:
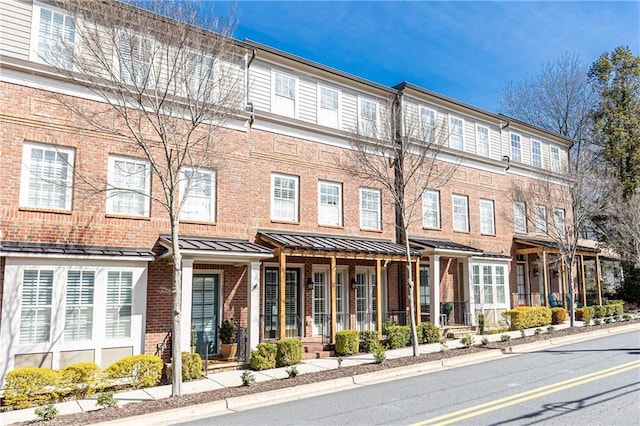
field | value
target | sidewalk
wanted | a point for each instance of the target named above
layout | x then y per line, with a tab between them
232	378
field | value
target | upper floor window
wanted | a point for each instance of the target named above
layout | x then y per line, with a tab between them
55	39
330	203
284	94
370	209
199	189
135	59
35	314
516	148
78	323
47	177
284	197
456	133
200	74
460	213
328	107
129	186
559	223
554	154
482	135
541	219
427	124
536	153
519	216
368	118
431	209
487	218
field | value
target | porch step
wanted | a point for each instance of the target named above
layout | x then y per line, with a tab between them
456	332
317	354
214	365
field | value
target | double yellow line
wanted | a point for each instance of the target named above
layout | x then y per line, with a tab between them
487	407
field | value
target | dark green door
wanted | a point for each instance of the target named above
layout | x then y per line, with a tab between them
204	314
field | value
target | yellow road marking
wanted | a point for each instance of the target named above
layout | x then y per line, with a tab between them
518	398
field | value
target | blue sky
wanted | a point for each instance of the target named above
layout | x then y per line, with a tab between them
464	50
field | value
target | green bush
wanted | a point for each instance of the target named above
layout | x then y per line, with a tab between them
369	339
428	332
398	336
386	325
288	352
600	311
106	399
191	366
47	412
528	317
346	342
263	357
582	314
83	378
558	315
29	386
466	340
143	370
618	308
379	354
592	311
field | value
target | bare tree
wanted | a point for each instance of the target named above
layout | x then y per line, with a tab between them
403	154
167	79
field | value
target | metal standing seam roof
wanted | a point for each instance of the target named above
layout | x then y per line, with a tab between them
540	242
72	249
338	243
208	244
442	244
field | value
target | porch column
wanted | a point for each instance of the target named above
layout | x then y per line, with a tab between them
416	287
545	278
282	287
598	287
332	290
253	305
378	297
434	261
584	283
187	294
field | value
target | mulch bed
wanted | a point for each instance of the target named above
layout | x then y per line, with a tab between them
140	408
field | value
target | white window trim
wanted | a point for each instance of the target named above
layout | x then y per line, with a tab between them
339	206
296	200
453	212
533	142
519	207
110	187
455	117
560	222
423	128
35	30
511	148
120	60
319	104
424	199
554	164
378	226
216	69
478	126
541	225
26	174
491	203
183	188
296	89
376	124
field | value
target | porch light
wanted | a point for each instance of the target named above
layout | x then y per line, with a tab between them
354	283
556	273
309	283
536	272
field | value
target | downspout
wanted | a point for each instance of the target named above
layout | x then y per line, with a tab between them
249	104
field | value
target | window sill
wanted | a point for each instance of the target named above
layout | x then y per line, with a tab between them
320	225
286	222
487	235
428	228
43	210
377	231
197	222
461	232
122	216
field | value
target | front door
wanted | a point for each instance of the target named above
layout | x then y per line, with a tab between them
320	304
291	302
204	314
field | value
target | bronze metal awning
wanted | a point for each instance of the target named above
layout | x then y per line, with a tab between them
443	246
537	245
222	248
20	248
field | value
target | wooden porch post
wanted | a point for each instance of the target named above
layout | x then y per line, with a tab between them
282	264
598	288
378	297
545	278
584	284
332	287
416	287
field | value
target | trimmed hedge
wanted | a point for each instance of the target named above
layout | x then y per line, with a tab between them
558	315
143	370
263	357
529	317
582	314
288	352
369	340
398	336
428	332
29	386
82	378
191	366
346	342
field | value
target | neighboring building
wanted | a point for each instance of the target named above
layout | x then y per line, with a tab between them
281	237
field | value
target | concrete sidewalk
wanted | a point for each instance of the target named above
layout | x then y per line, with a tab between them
232	378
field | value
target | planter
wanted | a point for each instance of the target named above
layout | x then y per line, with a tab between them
228	350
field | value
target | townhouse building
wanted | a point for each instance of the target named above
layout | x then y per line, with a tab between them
280	235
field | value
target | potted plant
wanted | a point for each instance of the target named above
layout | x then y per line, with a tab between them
228	334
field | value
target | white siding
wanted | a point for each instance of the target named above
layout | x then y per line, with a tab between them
349	110
15	28
307	103
260	85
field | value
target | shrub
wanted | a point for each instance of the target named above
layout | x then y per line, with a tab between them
346	342
288	352
143	370
600	311
398	336
485	341
618	308
47	412
592	311
428	332
369	339
292	372
505	337
582	314
263	357
528	317
29	386
558	315
466	340
106	399
191	366
386	325
481	321
84	378
537	331
597	321
379	354
247	378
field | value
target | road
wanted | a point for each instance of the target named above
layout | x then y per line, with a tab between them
596	382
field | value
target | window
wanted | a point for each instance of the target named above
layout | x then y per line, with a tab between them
559	222
460	213
431	209
500	284
425	291
129	187
47	177
541	219
482	134
554	153
328	107
329	203
536	154
78	324
135	59
56	38
487	221
489	284
519	216
200	77
368	118
284	94
35	316
516	148
427	124
119	301
370	213
456	135
199	187
284	197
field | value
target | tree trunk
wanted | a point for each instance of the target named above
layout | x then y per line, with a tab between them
412	307
176	337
